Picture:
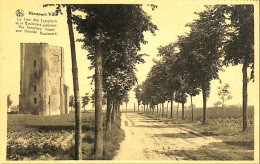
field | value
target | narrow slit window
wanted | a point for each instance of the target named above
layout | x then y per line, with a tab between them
35	75
35	88
34	63
35	100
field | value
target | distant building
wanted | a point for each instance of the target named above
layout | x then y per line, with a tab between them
42	88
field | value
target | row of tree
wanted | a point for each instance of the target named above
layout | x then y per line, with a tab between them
85	101
221	36
112	35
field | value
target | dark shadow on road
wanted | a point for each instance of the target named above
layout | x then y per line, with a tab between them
207	153
126	123
247	144
208	134
151	121
176	135
155	126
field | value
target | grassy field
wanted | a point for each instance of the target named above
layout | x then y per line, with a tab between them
225	124
33	137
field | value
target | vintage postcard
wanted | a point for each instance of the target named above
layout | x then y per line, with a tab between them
167	81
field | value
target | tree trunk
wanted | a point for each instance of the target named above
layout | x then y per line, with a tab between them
78	130
118	110
204	104
98	140
222	103
162	109
108	115
171	107
157	109
245	65
114	112
182	106
177	110
191	108
167	109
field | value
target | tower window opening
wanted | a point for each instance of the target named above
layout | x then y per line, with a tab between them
35	100
34	63
35	88
35	75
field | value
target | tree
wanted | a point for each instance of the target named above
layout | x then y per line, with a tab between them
9	101
239	49
71	102
15	108
138	92
203	47
181	97
192	92
85	100
216	104
78	130
126	99
224	93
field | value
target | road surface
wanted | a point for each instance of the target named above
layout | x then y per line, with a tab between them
151	139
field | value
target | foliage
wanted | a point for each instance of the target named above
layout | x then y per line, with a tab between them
217	103
9	101
72	101
239	48
15	109
119	29
85	100
126	98
138	92
202	47
180	97
224	93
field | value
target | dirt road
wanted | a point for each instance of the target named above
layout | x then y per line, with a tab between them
150	139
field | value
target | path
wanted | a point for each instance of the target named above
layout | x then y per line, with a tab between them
151	139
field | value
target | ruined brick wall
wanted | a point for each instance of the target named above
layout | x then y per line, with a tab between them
42	79
55	78
31	78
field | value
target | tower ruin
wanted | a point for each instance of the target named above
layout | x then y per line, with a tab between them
42	88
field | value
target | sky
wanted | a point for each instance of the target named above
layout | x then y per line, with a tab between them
170	18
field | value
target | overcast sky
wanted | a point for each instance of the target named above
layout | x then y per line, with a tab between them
170	19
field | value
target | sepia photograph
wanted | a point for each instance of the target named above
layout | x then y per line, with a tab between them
129	81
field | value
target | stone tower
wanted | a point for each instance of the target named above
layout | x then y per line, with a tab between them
42	88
